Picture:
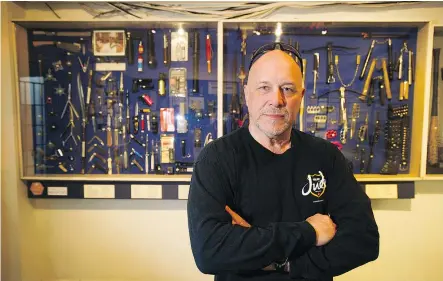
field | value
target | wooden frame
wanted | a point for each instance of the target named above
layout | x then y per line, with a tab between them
117	34
426	122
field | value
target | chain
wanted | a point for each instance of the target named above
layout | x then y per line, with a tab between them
353	78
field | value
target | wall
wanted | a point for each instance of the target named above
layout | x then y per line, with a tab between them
148	240
22	246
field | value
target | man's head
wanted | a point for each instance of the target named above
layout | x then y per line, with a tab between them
112	36
274	92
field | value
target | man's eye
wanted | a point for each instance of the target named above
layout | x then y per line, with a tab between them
288	90
264	88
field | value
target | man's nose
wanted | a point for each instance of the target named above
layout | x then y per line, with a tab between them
278	98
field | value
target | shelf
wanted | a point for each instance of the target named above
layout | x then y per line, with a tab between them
111	178
433	177
386	178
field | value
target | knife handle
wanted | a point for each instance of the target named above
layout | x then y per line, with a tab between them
135	122
368	80
109	137
405	90
386	79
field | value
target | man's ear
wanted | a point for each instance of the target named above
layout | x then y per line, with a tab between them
246	91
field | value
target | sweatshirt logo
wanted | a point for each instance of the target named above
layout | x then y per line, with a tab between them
316	185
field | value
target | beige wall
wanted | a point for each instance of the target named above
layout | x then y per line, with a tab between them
148	240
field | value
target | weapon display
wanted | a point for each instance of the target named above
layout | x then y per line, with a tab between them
103	113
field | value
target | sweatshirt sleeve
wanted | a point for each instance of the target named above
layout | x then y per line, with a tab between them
357	239
217	245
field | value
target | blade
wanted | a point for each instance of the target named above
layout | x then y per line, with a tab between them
81	97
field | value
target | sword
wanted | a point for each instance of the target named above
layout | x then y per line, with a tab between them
63	34
83	113
71	47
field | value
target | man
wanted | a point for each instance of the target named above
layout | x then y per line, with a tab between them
112	46
268	202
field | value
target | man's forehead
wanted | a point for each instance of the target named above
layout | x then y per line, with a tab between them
263	68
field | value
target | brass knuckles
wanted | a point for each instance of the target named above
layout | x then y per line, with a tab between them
320	119
313	109
319	109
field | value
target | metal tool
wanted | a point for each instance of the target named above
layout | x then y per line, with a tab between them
135	119
195	62
88	93
134	162
136	140
373	140
70	126
209	52
329	58
69	104
84	120
147	154
354	117
386	81
242	73
98	139
109	162
368	80
166	50
109	125
129	48
367	58
92	115
315	71
68	46
152	62
127	112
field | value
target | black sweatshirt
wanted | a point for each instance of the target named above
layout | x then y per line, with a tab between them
275	193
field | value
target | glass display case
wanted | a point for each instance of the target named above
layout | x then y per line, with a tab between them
138	101
361	82
132	100
434	153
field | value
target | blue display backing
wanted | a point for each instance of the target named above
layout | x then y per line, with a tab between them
50	54
309	39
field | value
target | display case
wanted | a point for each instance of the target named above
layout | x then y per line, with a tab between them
115	100
433	149
143	108
365	88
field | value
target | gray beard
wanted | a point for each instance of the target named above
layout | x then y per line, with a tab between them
274	131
